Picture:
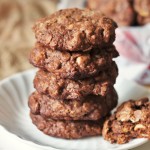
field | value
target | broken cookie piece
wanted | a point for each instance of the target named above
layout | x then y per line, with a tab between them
131	120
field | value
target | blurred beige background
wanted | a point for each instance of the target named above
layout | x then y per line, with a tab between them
16	37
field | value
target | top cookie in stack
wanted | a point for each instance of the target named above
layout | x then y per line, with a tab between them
74	52
75	30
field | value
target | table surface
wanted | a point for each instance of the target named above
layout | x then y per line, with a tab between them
143	147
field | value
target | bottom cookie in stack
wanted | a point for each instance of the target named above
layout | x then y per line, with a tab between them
71	119
67	129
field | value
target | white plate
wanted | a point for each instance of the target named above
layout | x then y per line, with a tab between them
14	115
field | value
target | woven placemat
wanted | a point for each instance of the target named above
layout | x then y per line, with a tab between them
16	37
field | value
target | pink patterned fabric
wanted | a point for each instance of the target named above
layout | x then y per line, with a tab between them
133	44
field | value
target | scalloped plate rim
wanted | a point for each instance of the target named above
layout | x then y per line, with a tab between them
52	148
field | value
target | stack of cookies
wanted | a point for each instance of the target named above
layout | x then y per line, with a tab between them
124	12
74	85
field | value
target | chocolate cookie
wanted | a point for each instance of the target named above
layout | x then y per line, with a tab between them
92	108
120	10
131	120
142	7
72	65
67	129
75	30
59	88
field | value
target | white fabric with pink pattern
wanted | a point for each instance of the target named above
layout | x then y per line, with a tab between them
133	44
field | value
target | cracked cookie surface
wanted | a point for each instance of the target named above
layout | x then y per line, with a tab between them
73	65
92	108
58	88
75	30
131	120
68	129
